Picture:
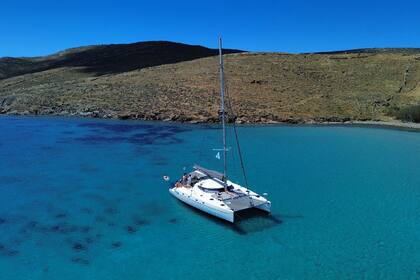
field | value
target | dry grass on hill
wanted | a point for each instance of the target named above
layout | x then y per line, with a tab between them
263	87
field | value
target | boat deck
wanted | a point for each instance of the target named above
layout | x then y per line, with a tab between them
237	203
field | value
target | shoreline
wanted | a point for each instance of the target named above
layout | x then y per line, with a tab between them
395	125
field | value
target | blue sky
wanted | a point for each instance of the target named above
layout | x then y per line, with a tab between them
30	28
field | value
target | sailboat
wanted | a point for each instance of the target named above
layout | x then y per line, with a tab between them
211	191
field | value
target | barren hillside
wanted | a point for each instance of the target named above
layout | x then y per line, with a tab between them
371	84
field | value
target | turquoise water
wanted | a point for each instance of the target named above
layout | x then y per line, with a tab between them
85	199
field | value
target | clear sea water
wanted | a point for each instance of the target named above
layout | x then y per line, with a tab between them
85	199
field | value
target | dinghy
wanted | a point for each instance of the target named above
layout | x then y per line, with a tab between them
211	191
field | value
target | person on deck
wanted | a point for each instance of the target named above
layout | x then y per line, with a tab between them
189	180
184	179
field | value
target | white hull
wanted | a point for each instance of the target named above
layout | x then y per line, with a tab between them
227	215
265	207
207	196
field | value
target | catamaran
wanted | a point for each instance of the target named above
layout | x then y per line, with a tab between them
212	191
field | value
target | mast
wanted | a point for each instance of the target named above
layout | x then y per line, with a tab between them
222	106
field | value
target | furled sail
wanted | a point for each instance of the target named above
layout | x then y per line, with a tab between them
210	173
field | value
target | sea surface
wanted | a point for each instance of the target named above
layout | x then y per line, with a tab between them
85	199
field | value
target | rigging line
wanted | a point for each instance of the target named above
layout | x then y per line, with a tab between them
236	136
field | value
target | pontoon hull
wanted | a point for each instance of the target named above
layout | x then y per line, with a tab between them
227	215
265	207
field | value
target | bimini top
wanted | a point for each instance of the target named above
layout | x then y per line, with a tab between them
212	180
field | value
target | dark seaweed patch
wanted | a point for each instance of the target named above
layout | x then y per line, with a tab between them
143	134
173	220
121	128
61	215
64	228
7	252
130	229
140	222
129	128
77	246
80	260
152	138
12	253
60	228
116	244
2	221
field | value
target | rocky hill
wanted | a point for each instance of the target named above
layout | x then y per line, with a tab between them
170	81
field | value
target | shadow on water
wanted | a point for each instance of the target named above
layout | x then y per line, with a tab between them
247	221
